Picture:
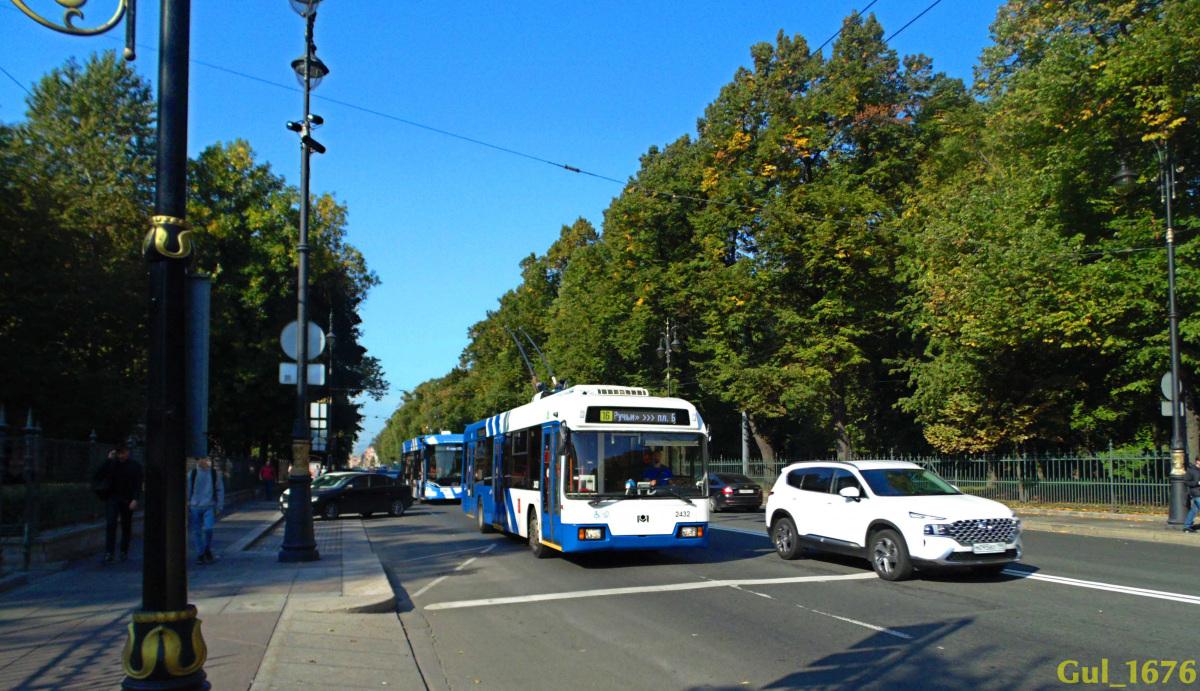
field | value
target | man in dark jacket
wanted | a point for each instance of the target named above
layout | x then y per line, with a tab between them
124	494
1193	484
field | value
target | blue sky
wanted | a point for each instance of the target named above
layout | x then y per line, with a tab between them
442	221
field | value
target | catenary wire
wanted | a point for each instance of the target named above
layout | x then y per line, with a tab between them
14	80
672	195
897	32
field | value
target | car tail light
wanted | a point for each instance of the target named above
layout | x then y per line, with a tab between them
727	490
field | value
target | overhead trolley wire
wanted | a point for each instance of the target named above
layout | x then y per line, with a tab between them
639	186
897	33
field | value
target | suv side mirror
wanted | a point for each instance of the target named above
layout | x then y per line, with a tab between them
851	493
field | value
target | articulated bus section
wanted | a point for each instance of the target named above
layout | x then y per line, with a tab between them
591	468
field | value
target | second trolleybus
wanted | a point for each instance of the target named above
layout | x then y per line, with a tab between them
432	465
591	468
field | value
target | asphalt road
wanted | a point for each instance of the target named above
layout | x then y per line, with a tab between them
481	612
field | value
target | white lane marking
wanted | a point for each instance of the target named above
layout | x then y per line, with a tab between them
1061	580
439	579
860	623
1095	585
429	585
641	589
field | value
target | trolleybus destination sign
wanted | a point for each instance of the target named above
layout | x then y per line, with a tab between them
638	416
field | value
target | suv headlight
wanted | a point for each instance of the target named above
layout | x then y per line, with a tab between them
937	529
924	517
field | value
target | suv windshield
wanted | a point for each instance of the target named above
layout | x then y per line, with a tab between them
906	482
620	463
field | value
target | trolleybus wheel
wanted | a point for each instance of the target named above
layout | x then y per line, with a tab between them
483	526
539	550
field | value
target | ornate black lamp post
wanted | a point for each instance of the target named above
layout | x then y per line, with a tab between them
165	648
1124	182
668	343
298	541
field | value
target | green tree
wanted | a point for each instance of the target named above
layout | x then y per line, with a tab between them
76	200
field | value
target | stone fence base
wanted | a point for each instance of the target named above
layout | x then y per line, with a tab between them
55	549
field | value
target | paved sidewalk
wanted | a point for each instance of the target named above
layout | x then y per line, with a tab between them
1111	525
265	623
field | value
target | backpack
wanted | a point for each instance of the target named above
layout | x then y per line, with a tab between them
192	482
102	479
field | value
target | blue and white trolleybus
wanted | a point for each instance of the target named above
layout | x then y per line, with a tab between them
591	468
432	465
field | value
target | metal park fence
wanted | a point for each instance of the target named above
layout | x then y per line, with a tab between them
1115	479
46	483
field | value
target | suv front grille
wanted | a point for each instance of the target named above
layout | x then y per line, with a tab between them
984	530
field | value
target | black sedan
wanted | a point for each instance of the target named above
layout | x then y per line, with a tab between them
733	491
334	494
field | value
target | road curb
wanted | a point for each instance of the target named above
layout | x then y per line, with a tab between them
255	534
1163	535
365	586
15	580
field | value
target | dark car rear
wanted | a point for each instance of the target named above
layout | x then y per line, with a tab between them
733	491
366	494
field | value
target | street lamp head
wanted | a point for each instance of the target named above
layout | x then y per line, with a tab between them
662	350
316	69
305	7
294	126
1125	179
675	344
316	120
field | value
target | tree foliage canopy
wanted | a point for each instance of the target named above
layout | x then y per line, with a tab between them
865	255
75	197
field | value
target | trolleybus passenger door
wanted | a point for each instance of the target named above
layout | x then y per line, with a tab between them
499	494
551	507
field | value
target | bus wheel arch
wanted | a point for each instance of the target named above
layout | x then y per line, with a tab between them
540	551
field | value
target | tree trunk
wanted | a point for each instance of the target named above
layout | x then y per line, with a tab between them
764	447
1191	427
837	414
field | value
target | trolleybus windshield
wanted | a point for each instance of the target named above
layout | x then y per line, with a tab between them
623	463
446	464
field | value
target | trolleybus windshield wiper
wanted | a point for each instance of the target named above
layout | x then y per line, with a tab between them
600	499
676	494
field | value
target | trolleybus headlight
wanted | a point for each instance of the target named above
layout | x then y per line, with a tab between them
691	531
591	533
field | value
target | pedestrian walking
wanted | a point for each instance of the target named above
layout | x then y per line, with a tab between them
267	475
1193	484
206	501
118	483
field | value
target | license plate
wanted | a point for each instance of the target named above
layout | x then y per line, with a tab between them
988	547
745	491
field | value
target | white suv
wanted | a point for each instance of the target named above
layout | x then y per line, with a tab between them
899	515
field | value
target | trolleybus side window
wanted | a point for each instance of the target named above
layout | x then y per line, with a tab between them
516	461
483	459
